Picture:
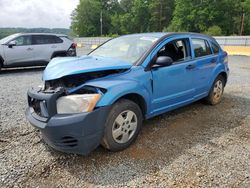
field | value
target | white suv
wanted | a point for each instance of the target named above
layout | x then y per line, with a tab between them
31	49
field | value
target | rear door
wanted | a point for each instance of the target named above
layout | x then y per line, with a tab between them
21	54
44	47
173	85
205	62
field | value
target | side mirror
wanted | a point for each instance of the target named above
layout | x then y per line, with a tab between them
164	61
11	44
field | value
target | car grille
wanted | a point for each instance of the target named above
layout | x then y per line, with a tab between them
40	107
68	141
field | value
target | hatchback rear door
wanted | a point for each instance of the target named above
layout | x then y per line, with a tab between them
44	47
205	62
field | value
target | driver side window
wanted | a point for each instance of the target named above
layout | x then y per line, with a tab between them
23	40
177	50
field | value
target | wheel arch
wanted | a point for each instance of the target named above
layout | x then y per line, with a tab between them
62	53
1	61
224	75
138	99
128	89
220	70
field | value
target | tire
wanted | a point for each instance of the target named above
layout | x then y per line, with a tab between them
59	54
1	65
122	126
216	91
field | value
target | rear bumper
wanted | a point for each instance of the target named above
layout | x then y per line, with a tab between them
72	133
71	52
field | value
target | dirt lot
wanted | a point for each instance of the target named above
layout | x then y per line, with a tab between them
195	146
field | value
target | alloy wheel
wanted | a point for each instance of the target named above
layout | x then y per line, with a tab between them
124	126
218	90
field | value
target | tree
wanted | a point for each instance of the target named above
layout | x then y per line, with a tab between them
192	15
215	17
161	12
126	5
86	18
199	15
140	13
244	21
134	18
214	31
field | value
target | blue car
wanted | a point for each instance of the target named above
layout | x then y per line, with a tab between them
103	97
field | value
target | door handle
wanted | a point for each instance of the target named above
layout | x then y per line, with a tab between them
29	49
191	66
54	46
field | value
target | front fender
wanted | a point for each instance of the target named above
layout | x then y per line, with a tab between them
118	88
1	54
1	60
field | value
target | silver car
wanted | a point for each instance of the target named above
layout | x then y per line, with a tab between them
34	49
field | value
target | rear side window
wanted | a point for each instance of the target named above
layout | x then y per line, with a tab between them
215	48
65	37
46	39
57	39
201	47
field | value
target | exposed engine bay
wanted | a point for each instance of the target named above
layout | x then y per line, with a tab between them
73	81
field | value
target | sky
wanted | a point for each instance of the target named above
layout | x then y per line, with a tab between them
36	13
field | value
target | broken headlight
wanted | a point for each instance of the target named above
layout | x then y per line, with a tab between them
77	103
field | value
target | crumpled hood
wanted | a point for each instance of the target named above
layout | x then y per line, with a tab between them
65	66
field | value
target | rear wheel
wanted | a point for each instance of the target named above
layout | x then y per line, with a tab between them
216	92
59	54
122	126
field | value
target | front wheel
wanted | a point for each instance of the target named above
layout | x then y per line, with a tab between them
216	92
122	126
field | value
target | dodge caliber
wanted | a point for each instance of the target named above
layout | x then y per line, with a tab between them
103	97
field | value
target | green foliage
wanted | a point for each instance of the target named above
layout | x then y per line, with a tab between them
214	31
86	18
245	6
140	13
215	17
198	16
161	13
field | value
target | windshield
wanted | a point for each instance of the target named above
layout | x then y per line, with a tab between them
7	39
127	48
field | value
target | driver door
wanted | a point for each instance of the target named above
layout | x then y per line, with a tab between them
173	85
19	54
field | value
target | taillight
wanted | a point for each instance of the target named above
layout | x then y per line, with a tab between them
72	50
74	45
225	58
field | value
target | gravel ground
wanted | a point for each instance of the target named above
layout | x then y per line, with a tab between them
195	146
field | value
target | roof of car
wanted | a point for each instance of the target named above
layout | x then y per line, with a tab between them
61	35
153	34
162	34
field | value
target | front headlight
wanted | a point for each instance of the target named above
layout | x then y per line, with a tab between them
77	103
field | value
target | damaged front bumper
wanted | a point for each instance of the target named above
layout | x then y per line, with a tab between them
77	133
